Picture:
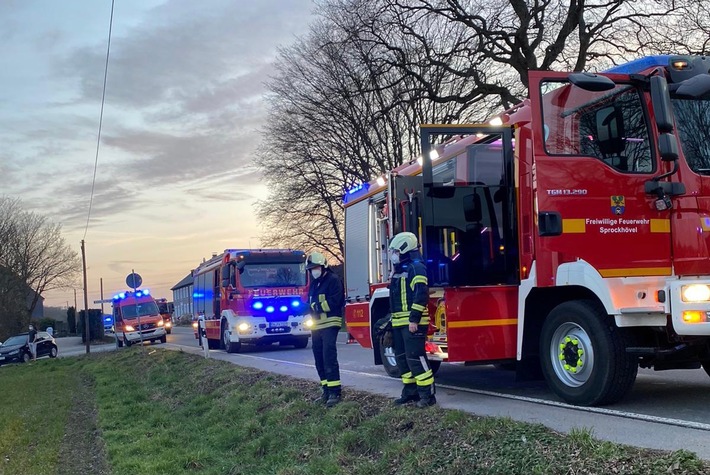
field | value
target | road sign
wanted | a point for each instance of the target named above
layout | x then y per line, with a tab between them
134	280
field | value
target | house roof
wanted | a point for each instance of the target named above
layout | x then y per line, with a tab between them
187	280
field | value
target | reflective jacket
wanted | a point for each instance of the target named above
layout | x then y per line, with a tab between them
409	293
326	299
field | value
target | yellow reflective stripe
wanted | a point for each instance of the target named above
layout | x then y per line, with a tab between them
419	279
323	382
400	314
324	306
407	378
425	382
403	293
425	375
419	308
332	384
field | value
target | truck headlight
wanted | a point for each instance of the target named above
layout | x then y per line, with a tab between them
194	325
168	324
308	323
161	323
130	328
695	293
243	327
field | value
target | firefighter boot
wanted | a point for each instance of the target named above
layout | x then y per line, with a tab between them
426	396
334	397
323	399
409	394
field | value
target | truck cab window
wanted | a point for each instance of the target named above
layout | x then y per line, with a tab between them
610	126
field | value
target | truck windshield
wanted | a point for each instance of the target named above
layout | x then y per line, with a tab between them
692	118
273	275
141	309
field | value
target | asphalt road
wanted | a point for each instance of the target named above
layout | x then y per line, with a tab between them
665	410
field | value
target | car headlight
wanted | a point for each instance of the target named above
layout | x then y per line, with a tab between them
695	293
129	328
194	325
161	323
13	352
168	324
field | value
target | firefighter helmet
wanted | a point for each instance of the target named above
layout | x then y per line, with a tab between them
404	242
316	259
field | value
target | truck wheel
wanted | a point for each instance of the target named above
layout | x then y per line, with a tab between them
119	342
126	341
169	331
583	355
388	360
163	339
229	347
300	342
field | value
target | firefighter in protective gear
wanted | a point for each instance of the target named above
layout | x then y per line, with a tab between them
409	295
326	299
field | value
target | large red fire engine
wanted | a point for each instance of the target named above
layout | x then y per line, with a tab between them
136	318
571	239
253	296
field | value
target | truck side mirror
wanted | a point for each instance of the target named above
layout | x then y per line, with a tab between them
661	101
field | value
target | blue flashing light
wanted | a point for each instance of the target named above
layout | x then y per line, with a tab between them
122	295
139	294
258	305
283	308
296	303
107	319
360	189
641	64
270	309
146	292
116	297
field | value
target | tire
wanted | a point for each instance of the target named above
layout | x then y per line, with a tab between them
229	347
126	341
26	357
169	331
388	361
300	342
164	339
53	352
119	342
583	355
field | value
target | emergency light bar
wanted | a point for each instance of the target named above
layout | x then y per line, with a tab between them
139	293
641	64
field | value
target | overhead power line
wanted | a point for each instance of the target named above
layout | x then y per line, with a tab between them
101	119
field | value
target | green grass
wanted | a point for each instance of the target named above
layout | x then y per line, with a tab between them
164	412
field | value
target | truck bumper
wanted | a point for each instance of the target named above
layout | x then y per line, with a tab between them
152	334
258	330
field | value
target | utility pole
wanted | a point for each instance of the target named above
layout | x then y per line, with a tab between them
86	302
75	306
102	298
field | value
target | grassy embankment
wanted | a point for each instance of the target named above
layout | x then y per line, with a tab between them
165	412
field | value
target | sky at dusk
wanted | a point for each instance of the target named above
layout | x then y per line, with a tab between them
184	105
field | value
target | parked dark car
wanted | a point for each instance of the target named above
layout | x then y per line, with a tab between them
17	348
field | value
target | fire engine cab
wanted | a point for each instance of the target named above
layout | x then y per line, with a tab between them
136	318
571	239
252	296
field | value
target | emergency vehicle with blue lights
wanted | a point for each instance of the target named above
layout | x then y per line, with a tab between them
253	296
136	318
570	240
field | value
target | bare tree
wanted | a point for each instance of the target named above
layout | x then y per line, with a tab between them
34	258
347	100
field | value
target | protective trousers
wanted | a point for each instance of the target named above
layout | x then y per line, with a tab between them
417	376
326	358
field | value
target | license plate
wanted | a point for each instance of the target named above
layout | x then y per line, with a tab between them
278	324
